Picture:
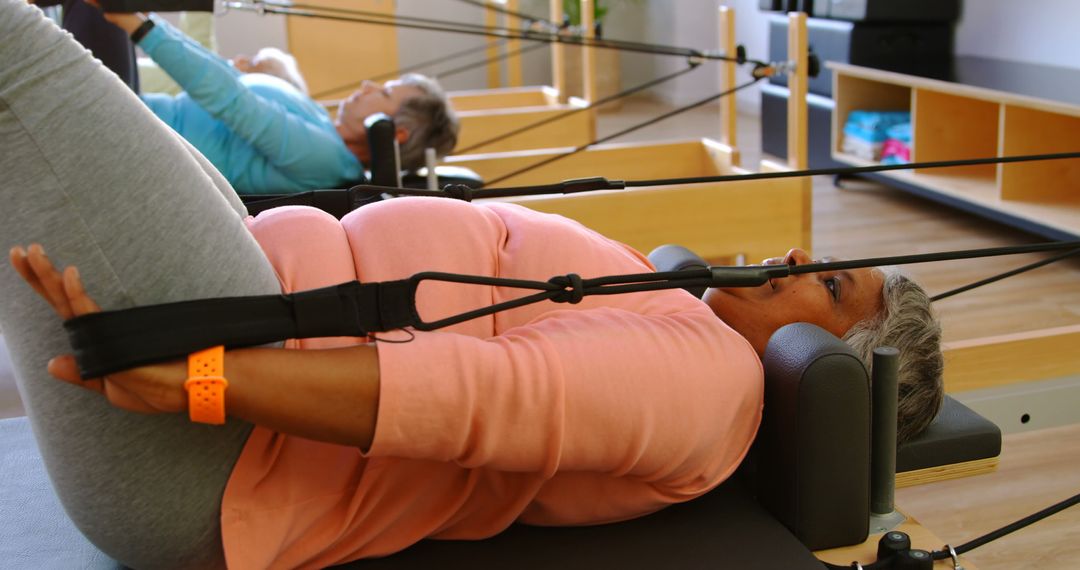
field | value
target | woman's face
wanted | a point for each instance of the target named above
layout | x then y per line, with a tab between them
373	98
833	300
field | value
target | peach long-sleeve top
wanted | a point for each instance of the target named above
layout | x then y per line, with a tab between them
548	414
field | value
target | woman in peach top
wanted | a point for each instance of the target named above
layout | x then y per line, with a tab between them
545	414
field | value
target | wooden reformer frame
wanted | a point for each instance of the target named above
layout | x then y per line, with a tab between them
488	113
720	221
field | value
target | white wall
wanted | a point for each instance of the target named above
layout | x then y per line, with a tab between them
688	24
240	32
1033	31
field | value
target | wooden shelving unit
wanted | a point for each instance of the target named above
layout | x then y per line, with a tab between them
984	108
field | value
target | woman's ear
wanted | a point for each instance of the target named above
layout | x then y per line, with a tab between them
401	134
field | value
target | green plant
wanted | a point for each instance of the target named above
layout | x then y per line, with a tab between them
572	9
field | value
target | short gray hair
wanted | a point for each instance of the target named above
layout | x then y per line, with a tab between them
429	119
908	323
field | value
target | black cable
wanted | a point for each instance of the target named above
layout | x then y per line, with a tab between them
844	171
932	257
628	130
600	183
357	16
499	9
593	105
415	67
1000	276
1007	529
488	61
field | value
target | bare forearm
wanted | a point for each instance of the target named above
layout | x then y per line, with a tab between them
325	395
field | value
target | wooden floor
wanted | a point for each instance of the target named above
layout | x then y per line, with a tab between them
1037	468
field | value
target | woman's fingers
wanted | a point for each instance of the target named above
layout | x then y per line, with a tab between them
116	391
78	300
65	368
64	291
17	255
50	279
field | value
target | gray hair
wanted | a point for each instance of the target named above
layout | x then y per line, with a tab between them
907	323
429	119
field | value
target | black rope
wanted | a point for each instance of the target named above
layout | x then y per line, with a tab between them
592	105
844	171
109	341
429	24
628	130
1000	276
973	544
488	61
499	9
571	288
401	71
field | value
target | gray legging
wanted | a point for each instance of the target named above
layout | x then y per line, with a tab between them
87	171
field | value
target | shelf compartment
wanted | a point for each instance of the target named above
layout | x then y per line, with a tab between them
856	93
1033	131
951	127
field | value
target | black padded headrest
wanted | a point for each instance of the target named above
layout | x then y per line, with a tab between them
956	435
677	258
813	447
385	163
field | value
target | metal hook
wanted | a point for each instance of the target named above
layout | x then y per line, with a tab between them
955	559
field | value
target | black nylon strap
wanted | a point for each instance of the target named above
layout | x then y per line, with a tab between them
118	340
336	202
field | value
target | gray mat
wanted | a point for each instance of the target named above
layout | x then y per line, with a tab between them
35	532
10	403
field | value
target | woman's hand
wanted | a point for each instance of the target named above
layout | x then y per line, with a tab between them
149	389
129	22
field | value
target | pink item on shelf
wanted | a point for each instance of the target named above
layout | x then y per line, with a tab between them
900	150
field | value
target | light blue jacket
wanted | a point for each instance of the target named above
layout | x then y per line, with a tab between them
259	131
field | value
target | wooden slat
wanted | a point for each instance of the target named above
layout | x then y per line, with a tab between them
798	117
482	125
946	472
900	79
717	221
555	14
728	111
513	63
947	127
501	98
797	87
1031	131
1012	358
625	161
494	74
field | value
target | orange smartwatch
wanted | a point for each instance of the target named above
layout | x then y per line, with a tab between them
206	386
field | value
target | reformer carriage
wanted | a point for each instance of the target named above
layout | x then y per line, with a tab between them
768	252
495	112
721	222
